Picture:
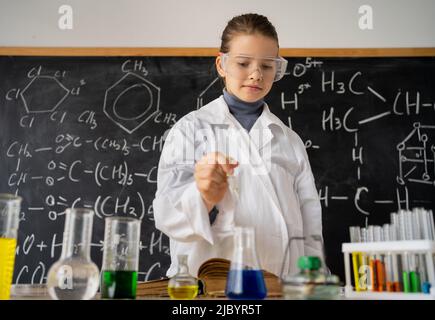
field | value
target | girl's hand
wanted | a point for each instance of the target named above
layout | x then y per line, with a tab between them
211	177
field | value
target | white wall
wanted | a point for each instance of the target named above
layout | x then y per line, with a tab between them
199	23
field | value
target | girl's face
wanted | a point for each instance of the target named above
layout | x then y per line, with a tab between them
248	79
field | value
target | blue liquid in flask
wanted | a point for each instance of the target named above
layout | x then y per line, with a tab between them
245	284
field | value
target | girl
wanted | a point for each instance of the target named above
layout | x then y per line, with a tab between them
234	163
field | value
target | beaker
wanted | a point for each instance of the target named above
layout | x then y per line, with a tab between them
74	276
120	258
10	206
245	278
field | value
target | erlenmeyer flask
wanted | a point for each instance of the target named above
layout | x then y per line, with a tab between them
74	276
245	279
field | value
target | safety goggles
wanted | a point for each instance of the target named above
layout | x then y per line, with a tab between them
242	66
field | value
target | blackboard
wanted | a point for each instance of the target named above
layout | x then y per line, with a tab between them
88	132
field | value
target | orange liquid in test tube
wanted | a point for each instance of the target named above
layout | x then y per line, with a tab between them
380	269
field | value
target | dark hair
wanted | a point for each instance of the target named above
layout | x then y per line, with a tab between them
250	23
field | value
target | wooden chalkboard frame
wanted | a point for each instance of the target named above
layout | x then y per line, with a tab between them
209	52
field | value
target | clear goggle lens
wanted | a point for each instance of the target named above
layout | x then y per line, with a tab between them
242	66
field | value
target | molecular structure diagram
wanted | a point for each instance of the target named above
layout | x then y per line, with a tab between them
131	102
417	157
43	94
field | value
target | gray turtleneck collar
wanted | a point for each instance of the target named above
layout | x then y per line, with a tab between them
245	112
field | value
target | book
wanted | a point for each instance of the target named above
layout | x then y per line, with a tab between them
212	278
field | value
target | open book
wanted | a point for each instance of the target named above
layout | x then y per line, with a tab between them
212	276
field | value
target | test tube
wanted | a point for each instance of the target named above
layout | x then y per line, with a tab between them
425	229
394	220
431	232
431	224
372	261
405	260
425	224
233	185
365	266
414	268
416	225
355	236
395	261
419	235
389	276
380	264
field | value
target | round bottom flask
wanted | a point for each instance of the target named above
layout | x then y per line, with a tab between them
74	276
183	286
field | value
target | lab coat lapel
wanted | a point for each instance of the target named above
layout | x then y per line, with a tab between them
260	135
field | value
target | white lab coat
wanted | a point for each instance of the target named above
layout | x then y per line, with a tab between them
277	193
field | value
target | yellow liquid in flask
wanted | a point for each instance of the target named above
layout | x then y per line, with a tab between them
183	292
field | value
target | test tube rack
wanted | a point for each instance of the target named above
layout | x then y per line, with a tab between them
426	247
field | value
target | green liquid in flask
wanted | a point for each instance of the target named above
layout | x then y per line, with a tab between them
118	284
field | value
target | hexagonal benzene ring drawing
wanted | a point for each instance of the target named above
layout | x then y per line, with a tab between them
43	94
212	90
131	102
417	156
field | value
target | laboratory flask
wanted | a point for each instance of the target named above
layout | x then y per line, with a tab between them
74	276
310	282
183	286
10	206
245	278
